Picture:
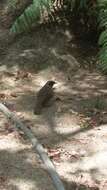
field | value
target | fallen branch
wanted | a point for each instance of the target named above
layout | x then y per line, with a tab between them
36	146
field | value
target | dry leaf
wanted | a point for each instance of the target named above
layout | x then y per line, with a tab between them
2	95
13	95
22	75
54	154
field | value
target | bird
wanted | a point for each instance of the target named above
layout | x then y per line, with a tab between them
43	96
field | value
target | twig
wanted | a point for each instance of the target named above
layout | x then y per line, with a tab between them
36	146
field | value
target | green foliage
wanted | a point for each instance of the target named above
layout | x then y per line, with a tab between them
89	10
31	15
102	19
94	13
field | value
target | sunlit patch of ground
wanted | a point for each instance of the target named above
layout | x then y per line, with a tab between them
73	125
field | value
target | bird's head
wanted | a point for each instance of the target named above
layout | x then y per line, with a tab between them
51	83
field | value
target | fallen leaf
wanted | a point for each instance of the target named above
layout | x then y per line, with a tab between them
8	128
2	95
14	95
22	75
54	154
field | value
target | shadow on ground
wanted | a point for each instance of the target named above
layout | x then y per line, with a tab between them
47	55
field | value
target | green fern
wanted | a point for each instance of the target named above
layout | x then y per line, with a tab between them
96	9
87	8
102	19
31	15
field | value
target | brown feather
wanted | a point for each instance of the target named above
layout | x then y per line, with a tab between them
43	96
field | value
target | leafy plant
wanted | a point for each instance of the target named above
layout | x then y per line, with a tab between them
31	15
103	36
34	12
91	13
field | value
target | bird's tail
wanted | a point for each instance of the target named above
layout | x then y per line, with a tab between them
37	109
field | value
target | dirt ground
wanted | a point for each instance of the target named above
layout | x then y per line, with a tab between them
73	129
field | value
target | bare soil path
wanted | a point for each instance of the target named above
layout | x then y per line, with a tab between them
73	130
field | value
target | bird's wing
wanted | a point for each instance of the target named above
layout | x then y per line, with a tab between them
45	94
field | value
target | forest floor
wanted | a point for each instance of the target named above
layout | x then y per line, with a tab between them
72	130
